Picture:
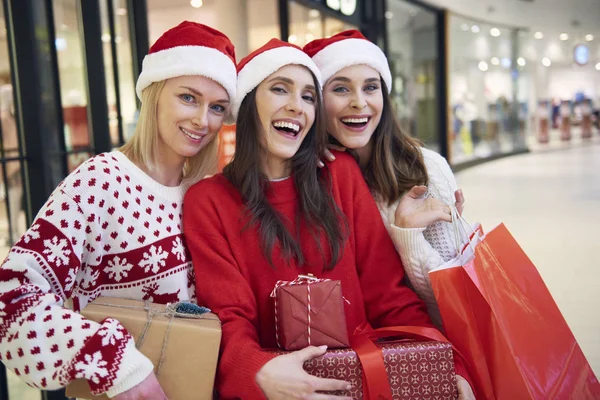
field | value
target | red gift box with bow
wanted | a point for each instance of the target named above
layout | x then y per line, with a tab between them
309	312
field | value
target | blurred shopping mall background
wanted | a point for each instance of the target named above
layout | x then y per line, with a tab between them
476	80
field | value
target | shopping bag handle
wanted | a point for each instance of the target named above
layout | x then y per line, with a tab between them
458	223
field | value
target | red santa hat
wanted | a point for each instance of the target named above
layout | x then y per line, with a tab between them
346	49
190	49
258	65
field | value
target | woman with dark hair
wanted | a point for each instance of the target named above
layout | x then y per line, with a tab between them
414	187
273	215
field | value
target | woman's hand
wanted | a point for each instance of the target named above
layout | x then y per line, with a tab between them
464	389
284	378
148	389
417	211
329	155
460	201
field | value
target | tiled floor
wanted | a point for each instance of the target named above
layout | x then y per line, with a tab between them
550	201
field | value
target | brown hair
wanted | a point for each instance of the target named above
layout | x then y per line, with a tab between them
317	209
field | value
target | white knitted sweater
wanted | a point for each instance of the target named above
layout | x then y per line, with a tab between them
424	249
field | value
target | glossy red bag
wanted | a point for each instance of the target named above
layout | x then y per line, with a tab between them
499	314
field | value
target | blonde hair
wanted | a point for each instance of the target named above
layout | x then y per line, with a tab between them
142	147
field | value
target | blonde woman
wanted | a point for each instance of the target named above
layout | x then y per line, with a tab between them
113	227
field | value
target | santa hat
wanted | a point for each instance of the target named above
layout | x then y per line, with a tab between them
346	49
258	65
190	49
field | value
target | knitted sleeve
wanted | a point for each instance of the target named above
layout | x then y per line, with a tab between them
222	287
424	249
43	342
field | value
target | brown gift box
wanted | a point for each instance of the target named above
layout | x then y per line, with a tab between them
190	355
327	317
416	370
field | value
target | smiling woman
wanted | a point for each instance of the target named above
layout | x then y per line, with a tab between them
272	215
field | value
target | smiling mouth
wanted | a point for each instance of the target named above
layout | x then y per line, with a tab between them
356	122
191	135
287	128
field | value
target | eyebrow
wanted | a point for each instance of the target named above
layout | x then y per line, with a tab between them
197	93
347	80
290	82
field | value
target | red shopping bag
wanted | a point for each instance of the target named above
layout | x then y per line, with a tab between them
498	313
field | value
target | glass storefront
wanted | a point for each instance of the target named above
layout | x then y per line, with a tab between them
307	24
412	52
487	86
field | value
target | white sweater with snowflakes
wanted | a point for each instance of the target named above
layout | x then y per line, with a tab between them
424	249
107	230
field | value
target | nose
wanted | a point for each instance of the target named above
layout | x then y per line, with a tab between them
358	100
200	119
294	103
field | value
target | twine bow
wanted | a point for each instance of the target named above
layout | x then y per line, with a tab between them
182	309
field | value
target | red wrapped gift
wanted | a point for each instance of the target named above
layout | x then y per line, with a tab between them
394	369
415	370
309	311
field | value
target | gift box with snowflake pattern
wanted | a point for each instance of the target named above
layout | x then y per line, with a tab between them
416	370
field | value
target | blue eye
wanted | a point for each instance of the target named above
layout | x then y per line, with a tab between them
340	89
218	108
309	98
372	88
188	98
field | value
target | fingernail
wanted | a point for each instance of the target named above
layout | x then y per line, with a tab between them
320	164
324	347
349	387
331	157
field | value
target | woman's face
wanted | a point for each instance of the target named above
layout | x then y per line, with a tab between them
353	101
286	103
191	110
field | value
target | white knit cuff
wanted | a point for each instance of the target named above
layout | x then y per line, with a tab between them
134	368
408	241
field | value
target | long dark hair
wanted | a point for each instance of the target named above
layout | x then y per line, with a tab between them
396	163
317	209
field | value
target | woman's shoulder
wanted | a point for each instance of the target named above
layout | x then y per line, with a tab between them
210	187
92	173
344	164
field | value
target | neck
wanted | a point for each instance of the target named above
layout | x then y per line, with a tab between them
276	169
167	172
364	154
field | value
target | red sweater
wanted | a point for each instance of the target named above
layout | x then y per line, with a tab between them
235	279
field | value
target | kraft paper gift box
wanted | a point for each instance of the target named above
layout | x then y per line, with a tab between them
191	346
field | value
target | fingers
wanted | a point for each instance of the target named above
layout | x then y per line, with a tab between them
329	155
310	352
336	147
320	164
321	396
460	200
329	385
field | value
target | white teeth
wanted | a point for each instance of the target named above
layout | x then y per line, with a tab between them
288	125
356	120
195	137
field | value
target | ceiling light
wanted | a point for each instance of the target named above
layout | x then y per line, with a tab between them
546	62
506	63
564	36
495	32
464	27
483	66
105	38
475	29
538	35
196	3
521	61
495	61
389	15
121	11
118	39
292	38
314	14
589	37
598	67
